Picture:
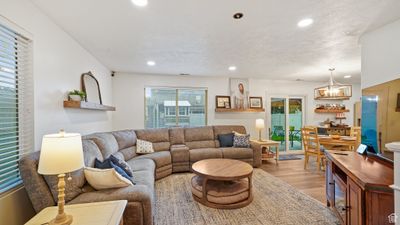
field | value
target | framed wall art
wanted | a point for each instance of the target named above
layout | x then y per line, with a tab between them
223	102
255	102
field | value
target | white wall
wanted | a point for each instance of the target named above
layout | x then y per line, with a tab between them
128	97
58	61
380	54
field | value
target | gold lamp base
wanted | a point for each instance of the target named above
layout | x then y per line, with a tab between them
61	220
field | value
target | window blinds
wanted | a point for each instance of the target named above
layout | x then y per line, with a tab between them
16	104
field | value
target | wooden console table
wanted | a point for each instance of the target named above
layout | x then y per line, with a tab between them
358	188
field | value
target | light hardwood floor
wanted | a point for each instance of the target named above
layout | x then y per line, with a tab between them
309	181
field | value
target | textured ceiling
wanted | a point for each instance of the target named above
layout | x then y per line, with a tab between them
200	37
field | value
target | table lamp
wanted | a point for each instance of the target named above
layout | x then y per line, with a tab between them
60	154
260	125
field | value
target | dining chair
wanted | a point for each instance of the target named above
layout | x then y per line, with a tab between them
311	146
356	132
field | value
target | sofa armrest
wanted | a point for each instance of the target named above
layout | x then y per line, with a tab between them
257	153
139	197
179	153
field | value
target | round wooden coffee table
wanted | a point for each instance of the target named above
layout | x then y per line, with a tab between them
222	183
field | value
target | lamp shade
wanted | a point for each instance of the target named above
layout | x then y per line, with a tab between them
61	153
260	124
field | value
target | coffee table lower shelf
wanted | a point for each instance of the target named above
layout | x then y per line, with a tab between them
222	194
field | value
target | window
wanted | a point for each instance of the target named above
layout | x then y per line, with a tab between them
16	105
171	107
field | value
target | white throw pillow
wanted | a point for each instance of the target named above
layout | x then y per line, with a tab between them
238	134
101	179
144	147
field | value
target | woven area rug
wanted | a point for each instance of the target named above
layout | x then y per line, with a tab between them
275	203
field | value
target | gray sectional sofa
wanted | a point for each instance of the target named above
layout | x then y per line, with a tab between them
176	149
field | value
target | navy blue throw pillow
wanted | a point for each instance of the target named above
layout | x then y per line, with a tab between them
108	164
122	164
225	140
102	165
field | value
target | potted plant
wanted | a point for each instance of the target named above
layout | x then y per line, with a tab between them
76	95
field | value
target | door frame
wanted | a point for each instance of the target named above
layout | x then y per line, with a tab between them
269	117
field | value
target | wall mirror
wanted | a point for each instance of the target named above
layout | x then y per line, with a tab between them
91	87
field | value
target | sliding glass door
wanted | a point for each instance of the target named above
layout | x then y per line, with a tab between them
278	122
286	120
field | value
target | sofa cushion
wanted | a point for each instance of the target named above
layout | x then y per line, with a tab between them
144	177
200	144
125	138
177	135
179	153
199	134
126	153
225	140
140	164
161	159
131	193
204	153
91	152
106	142
153	135
159	138
237	153
161	146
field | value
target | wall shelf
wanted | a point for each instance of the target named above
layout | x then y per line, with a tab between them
332	98
87	105
331	110
239	110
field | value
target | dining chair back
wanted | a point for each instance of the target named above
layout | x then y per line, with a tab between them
312	146
356	132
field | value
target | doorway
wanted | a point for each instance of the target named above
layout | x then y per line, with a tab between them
286	115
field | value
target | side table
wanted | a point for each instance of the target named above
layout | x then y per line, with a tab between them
268	153
97	213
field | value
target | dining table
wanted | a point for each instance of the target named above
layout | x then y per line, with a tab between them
342	143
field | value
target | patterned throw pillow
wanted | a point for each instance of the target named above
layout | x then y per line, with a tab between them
144	147
121	163
241	140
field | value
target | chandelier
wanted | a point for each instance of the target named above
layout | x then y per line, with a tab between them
334	90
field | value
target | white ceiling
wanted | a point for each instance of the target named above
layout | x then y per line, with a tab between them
200	37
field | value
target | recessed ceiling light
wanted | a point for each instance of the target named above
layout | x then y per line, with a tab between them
305	22
151	63
140	3
347	76
238	16
232	68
